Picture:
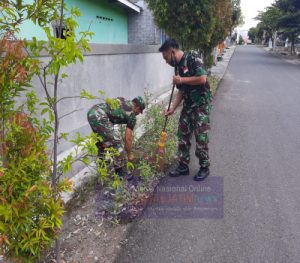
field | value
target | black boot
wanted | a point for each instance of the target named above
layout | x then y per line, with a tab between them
202	174
182	169
124	175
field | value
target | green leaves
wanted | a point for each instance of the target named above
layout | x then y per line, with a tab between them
84	94
66	163
113	103
282	17
75	12
32	101
30	207
195	24
16	12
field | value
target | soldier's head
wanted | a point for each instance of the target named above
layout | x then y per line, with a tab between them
170	52
139	105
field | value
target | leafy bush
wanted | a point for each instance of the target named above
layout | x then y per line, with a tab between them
214	83
30	209
30	205
153	123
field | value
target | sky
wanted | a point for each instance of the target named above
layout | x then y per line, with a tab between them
250	10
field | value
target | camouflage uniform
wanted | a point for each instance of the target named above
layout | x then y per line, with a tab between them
195	113
102	118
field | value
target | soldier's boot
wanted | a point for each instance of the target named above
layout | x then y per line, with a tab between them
181	169
123	174
202	174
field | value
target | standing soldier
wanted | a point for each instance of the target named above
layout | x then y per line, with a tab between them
102	118
195	92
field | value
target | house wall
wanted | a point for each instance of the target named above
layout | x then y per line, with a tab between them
119	70
111	26
106	31
141	27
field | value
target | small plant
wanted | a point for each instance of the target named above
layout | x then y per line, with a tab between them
214	83
146	170
153	124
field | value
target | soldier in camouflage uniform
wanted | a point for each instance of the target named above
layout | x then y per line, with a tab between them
194	90
102	118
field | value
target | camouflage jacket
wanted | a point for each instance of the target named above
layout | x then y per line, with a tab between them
124	114
193	95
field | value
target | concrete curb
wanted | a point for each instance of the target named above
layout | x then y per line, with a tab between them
220	68
294	61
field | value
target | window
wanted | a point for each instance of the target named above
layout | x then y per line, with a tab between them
64	30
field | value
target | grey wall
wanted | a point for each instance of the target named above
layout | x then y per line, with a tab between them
141	27
119	70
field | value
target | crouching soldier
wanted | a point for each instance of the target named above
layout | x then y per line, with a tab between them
102	118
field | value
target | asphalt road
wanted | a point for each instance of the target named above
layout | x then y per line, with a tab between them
255	149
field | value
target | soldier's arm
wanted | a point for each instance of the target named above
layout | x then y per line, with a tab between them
196	71
175	104
194	80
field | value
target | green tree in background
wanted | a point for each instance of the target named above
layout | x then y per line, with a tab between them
237	17
289	21
252	34
269	21
196	24
282	17
241	40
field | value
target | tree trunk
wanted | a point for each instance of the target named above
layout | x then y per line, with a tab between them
56	130
292	47
293	37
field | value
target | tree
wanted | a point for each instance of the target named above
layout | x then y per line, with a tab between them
30	205
237	17
241	40
260	32
196	24
30	212
269	21
282	17
289	21
252	34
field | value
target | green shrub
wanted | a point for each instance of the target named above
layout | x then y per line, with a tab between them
153	124
30	210
214	83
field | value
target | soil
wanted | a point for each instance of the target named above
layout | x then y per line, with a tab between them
86	236
88	233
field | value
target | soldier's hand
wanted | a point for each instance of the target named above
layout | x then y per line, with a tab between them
177	80
169	112
131	157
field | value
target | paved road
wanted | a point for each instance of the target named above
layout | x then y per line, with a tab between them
255	148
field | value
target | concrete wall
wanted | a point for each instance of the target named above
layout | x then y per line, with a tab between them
141	27
119	70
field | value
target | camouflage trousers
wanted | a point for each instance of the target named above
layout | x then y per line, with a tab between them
195	119
102	126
